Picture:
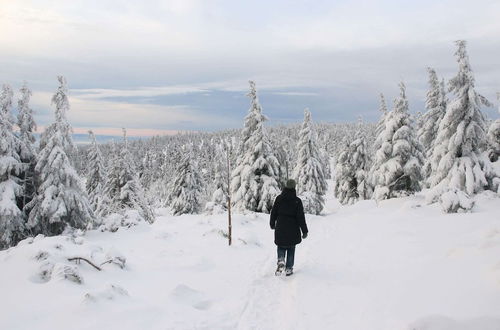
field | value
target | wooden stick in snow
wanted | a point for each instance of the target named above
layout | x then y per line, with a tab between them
78	259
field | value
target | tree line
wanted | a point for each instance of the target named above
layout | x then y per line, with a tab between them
449	149
52	186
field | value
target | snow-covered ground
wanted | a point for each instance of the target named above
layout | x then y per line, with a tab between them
398	265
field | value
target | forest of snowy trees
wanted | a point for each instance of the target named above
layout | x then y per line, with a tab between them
51	186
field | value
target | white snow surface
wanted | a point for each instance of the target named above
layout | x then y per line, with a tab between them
399	265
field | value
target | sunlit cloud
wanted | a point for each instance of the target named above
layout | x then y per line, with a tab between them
109	116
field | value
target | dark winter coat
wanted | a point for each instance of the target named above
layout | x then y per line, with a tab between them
287	219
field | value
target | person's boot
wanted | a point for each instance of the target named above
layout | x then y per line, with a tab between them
288	271
281	267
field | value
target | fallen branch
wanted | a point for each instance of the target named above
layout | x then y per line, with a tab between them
78	259
107	262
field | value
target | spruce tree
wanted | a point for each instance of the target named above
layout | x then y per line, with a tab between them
359	161
96	175
60	200
325	161
494	140
379	134
219	198
346	184
383	111
309	171
110	201
254	183
186	188
494	137
435	105
11	217
397	168
26	149
122	190
458	167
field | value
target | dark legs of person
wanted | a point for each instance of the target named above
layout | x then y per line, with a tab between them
281	254
281	260
290	257
289	253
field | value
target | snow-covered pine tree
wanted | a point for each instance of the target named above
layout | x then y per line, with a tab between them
397	168
11	217
459	168
150	176
346	185
383	111
96	176
494	140
435	106
26	149
494	153
379	135
122	189
110	202
186	187
324	141
60	200
282	153
254	183
218	201
359	161
309	171
131	192
324	158
494	137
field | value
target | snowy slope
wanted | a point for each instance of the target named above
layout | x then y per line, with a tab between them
398	265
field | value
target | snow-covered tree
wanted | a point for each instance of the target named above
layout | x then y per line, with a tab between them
219	198
254	183
110	201
459	169
346	185
218	201
96	175
187	186
351	181
325	160
397	168
494	140
26	149
60	199
494	137
379	140
309	171
383	113
122	190
11	217
282	152
435	106
359	161
151	176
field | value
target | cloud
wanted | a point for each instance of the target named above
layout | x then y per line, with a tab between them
103	114
296	93
101	93
148	63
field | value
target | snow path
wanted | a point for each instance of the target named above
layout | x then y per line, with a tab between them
272	301
387	274
399	265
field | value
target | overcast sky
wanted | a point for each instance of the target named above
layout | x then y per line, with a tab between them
161	66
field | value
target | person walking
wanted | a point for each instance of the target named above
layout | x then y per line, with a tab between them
287	221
